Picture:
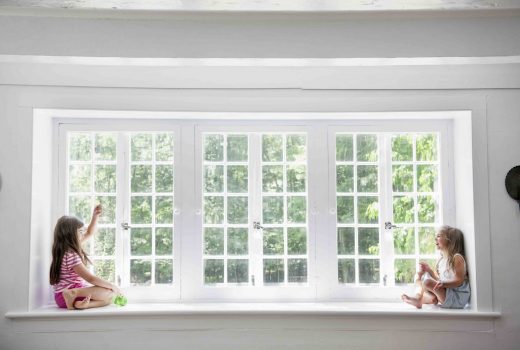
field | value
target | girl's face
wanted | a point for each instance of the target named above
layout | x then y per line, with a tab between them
441	242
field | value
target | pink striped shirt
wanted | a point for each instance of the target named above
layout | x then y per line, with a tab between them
68	276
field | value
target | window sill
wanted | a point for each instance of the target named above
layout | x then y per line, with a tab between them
347	309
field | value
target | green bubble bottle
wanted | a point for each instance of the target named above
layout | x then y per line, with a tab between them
120	300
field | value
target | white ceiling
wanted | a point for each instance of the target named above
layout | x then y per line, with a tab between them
267	5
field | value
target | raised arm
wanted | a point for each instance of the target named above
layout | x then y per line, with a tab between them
93	223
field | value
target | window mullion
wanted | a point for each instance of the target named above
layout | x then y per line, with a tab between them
385	166
255	199
123	210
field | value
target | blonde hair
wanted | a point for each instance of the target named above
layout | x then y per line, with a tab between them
455	244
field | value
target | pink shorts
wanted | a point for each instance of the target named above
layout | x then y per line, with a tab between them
60	301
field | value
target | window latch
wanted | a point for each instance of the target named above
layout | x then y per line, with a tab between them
125	226
389	225
257	226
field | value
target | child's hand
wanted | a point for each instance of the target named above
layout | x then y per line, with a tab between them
424	267
438	285
116	290
98	210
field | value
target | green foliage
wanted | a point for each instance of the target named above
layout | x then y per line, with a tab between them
368	240
404	270
237	179
213	271
297	270
344	178
164	147
140	272
426	147
297	209
141	147
273	271
164	210
272	148
109	209
368	270
345	209
367	178
296	178
80	145
402	147
238	271
214	178
106	269
80	178
213	210
296	240
346	271
296	148
80	207
164	271
366	148
427	240
344	148
272	210
237	210
141	178
237	148
164	241
213	241
368	210
426	209
141	241
346	240
273	241
105	242
237	241
404	240
426	178
403	208
163	178
214	148
141	210
272	178
105	147
105	178
402	178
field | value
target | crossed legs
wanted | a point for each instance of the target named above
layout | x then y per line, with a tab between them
424	293
94	297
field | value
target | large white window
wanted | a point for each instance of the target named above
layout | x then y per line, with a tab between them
258	210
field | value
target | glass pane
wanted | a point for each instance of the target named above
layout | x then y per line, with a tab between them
272	148
164	147
273	271
238	271
404	240
79	146
164	271
367	178
237	241
141	241
403	209
237	210
214	148
141	147
368	271
296	175
426	178
105	269
296	240
141	178
105	242
296	146
368	210
402	148
426	209
141	211
213	210
213	271
237	178
163	241
80	178
213	241
272	210
345	178
164	210
272	178
426	240
297	210
109	209
163	178
344	148
402	178
404	270
368	238
105	178
214	178
346	271
345	209
237	148
297	270
366	148
105	146
426	147
346	240
273	241
80	207
140	272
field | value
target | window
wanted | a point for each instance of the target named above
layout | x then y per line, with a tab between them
258	210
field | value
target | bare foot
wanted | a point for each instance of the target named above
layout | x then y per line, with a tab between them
82	304
70	295
412	301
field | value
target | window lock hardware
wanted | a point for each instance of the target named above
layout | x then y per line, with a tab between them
389	225
119	280
125	226
384	280
253	280
257	226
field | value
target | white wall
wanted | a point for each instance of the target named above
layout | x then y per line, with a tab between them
497	113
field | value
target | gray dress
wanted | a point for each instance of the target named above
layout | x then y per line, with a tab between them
456	298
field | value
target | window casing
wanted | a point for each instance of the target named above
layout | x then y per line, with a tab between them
325	278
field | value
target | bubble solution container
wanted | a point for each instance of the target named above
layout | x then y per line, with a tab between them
120	300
